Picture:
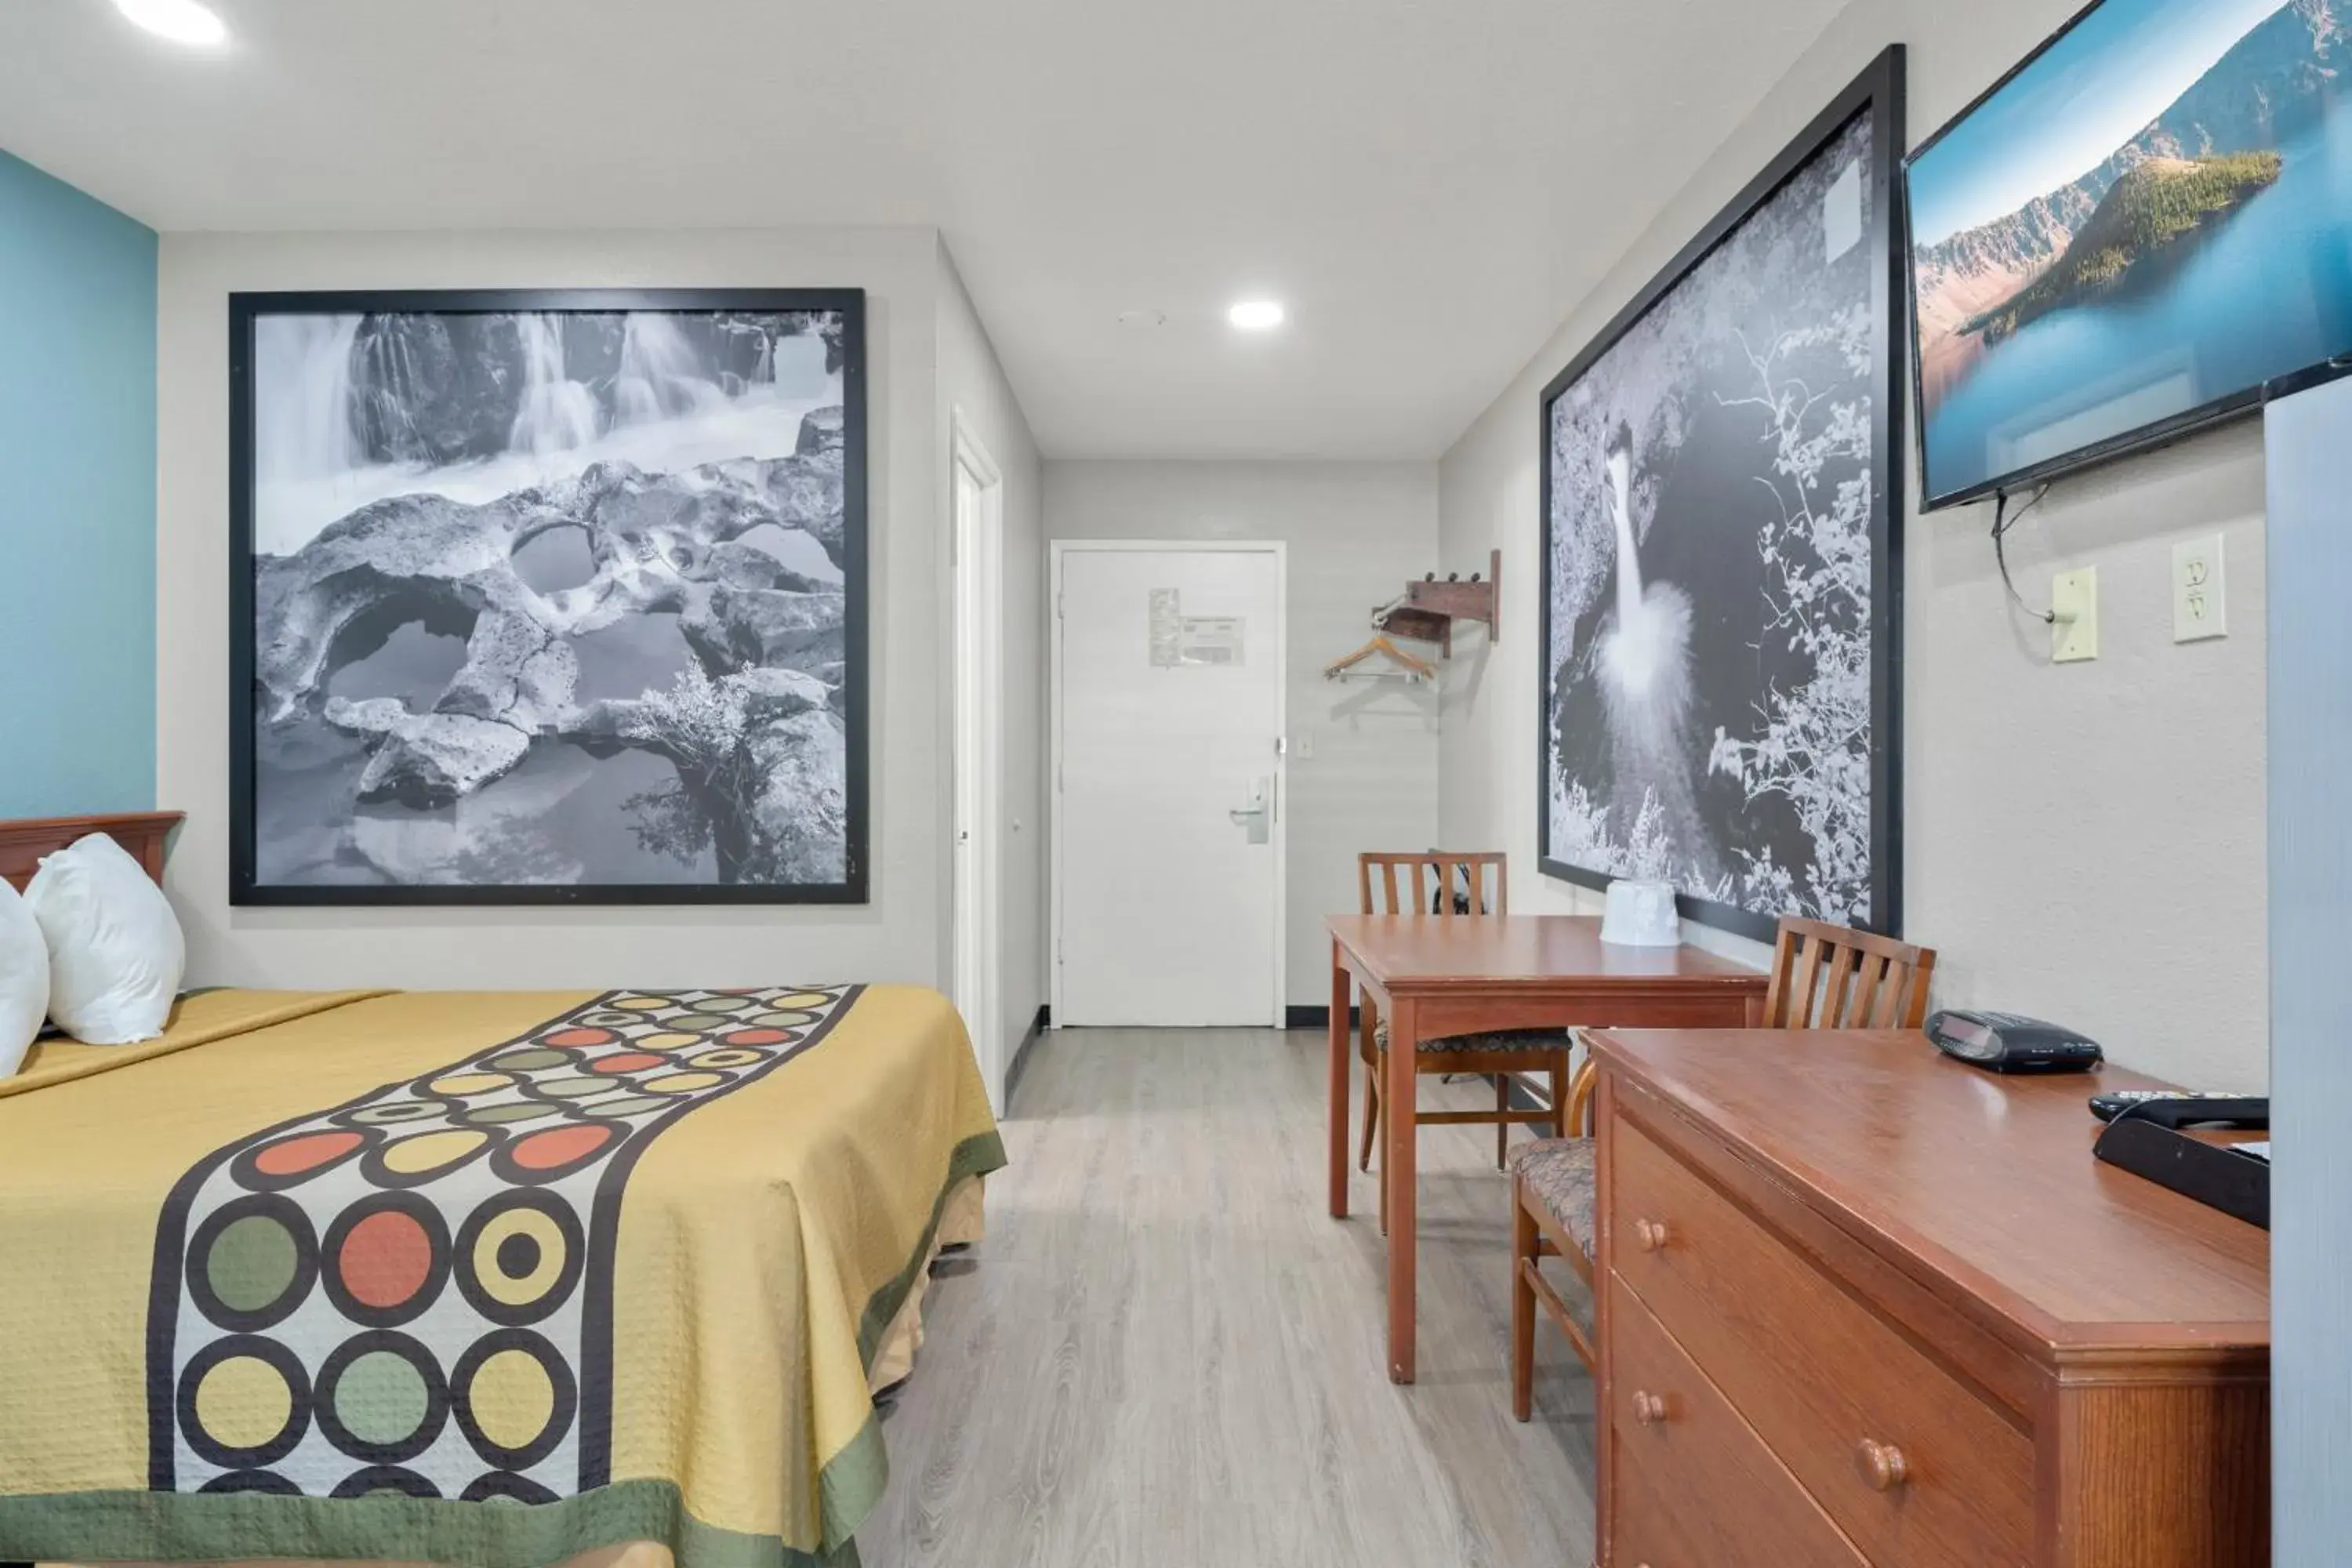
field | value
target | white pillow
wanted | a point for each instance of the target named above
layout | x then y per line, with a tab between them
116	953
24	978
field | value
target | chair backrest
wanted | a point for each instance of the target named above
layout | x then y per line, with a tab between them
1463	877
1831	977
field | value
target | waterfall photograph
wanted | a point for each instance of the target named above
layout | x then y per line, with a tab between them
546	598
1719	483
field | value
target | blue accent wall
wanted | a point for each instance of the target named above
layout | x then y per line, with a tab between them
77	502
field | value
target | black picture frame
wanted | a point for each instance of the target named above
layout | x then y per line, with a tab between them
1879	92
2151	436
247	309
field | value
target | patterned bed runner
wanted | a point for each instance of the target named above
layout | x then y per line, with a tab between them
411	1293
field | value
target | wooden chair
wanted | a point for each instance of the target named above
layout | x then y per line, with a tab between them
1453	887
1872	982
1823	977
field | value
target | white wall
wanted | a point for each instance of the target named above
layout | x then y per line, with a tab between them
1356	532
971	384
899	936
2082	842
2311	863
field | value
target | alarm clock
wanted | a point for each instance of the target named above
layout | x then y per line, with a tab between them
2011	1042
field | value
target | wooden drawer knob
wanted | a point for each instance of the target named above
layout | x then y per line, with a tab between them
1650	1235
1882	1465
1648	1409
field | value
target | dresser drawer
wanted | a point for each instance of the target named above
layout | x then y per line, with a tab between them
1910	1462
1695	1486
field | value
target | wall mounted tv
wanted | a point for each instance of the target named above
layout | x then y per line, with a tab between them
2130	236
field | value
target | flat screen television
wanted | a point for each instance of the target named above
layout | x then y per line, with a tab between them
2129	236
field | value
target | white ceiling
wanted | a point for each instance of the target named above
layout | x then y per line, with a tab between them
1430	185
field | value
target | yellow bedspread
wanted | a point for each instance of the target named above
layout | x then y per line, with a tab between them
488	1279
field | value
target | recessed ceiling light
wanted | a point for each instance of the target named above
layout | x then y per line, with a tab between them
1256	315
182	21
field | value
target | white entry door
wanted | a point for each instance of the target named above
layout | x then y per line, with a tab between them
1169	827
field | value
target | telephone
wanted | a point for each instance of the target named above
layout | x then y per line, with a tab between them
2011	1042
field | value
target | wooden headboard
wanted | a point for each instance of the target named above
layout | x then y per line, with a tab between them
24	841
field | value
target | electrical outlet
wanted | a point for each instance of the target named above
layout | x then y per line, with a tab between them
2075	600
1303	747
2200	605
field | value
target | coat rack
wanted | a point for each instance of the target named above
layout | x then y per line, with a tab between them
1424	613
1431	607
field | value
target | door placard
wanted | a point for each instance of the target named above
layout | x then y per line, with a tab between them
1179	640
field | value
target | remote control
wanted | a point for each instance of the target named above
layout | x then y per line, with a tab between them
2178	1108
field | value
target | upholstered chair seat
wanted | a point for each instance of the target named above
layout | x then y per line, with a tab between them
1492	1040
1558	1173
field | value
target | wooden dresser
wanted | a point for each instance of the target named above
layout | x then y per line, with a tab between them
1861	1304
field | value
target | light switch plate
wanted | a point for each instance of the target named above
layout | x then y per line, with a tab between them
2201	603
2075	600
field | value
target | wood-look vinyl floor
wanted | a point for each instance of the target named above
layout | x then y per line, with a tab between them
1166	1353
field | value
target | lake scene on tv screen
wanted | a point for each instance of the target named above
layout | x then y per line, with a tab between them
2154	215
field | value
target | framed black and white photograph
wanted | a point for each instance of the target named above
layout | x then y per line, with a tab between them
1722	573
548	598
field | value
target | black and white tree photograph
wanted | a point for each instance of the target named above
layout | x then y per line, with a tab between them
1718	486
549	598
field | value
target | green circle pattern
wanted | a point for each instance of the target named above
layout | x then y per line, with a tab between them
381	1398
252	1263
628	1105
512	1111
393	1113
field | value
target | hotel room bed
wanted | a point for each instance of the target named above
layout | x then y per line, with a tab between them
493	1279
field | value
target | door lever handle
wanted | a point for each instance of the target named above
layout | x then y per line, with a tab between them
1257	815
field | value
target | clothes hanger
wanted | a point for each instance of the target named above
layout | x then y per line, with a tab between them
1414	667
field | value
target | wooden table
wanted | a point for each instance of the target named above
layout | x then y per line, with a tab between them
1861	1303
1434	977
